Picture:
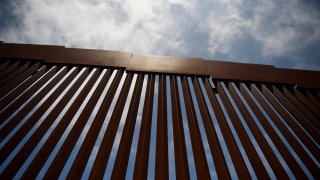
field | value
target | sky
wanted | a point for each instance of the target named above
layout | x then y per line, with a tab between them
283	33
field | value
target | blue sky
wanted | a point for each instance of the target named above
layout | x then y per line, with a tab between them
282	33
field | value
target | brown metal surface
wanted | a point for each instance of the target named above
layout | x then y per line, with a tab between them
17	162
141	163
297	114
162	64
307	102
36	113
65	150
9	69
16	118
8	98
28	51
292	163
265	147
234	151
308	114
197	145
162	164
48	146
120	166
48	94
15	73
180	153
104	152
6	87
263	73
192	66
4	64
289	136
289	120
208	126
88	144
244	138
313	98
60	54
90	57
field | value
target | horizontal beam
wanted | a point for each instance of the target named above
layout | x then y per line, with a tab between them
162	64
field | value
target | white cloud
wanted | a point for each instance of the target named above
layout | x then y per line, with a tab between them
224	26
255	31
279	27
285	30
141	26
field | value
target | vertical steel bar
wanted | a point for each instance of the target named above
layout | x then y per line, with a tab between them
32	120
265	147
89	142
209	128
15	82
201	163
6	99
141	163
121	162
65	150
253	157
162	166
4	65
25	151
313	98
15	73
290	138
302	120
237	159
309	115
285	115
39	160
26	109
25	96
9	69
181	162
103	155
306	102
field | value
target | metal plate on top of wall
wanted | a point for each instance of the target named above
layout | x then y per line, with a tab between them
166	64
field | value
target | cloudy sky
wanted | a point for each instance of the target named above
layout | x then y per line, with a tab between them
283	33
